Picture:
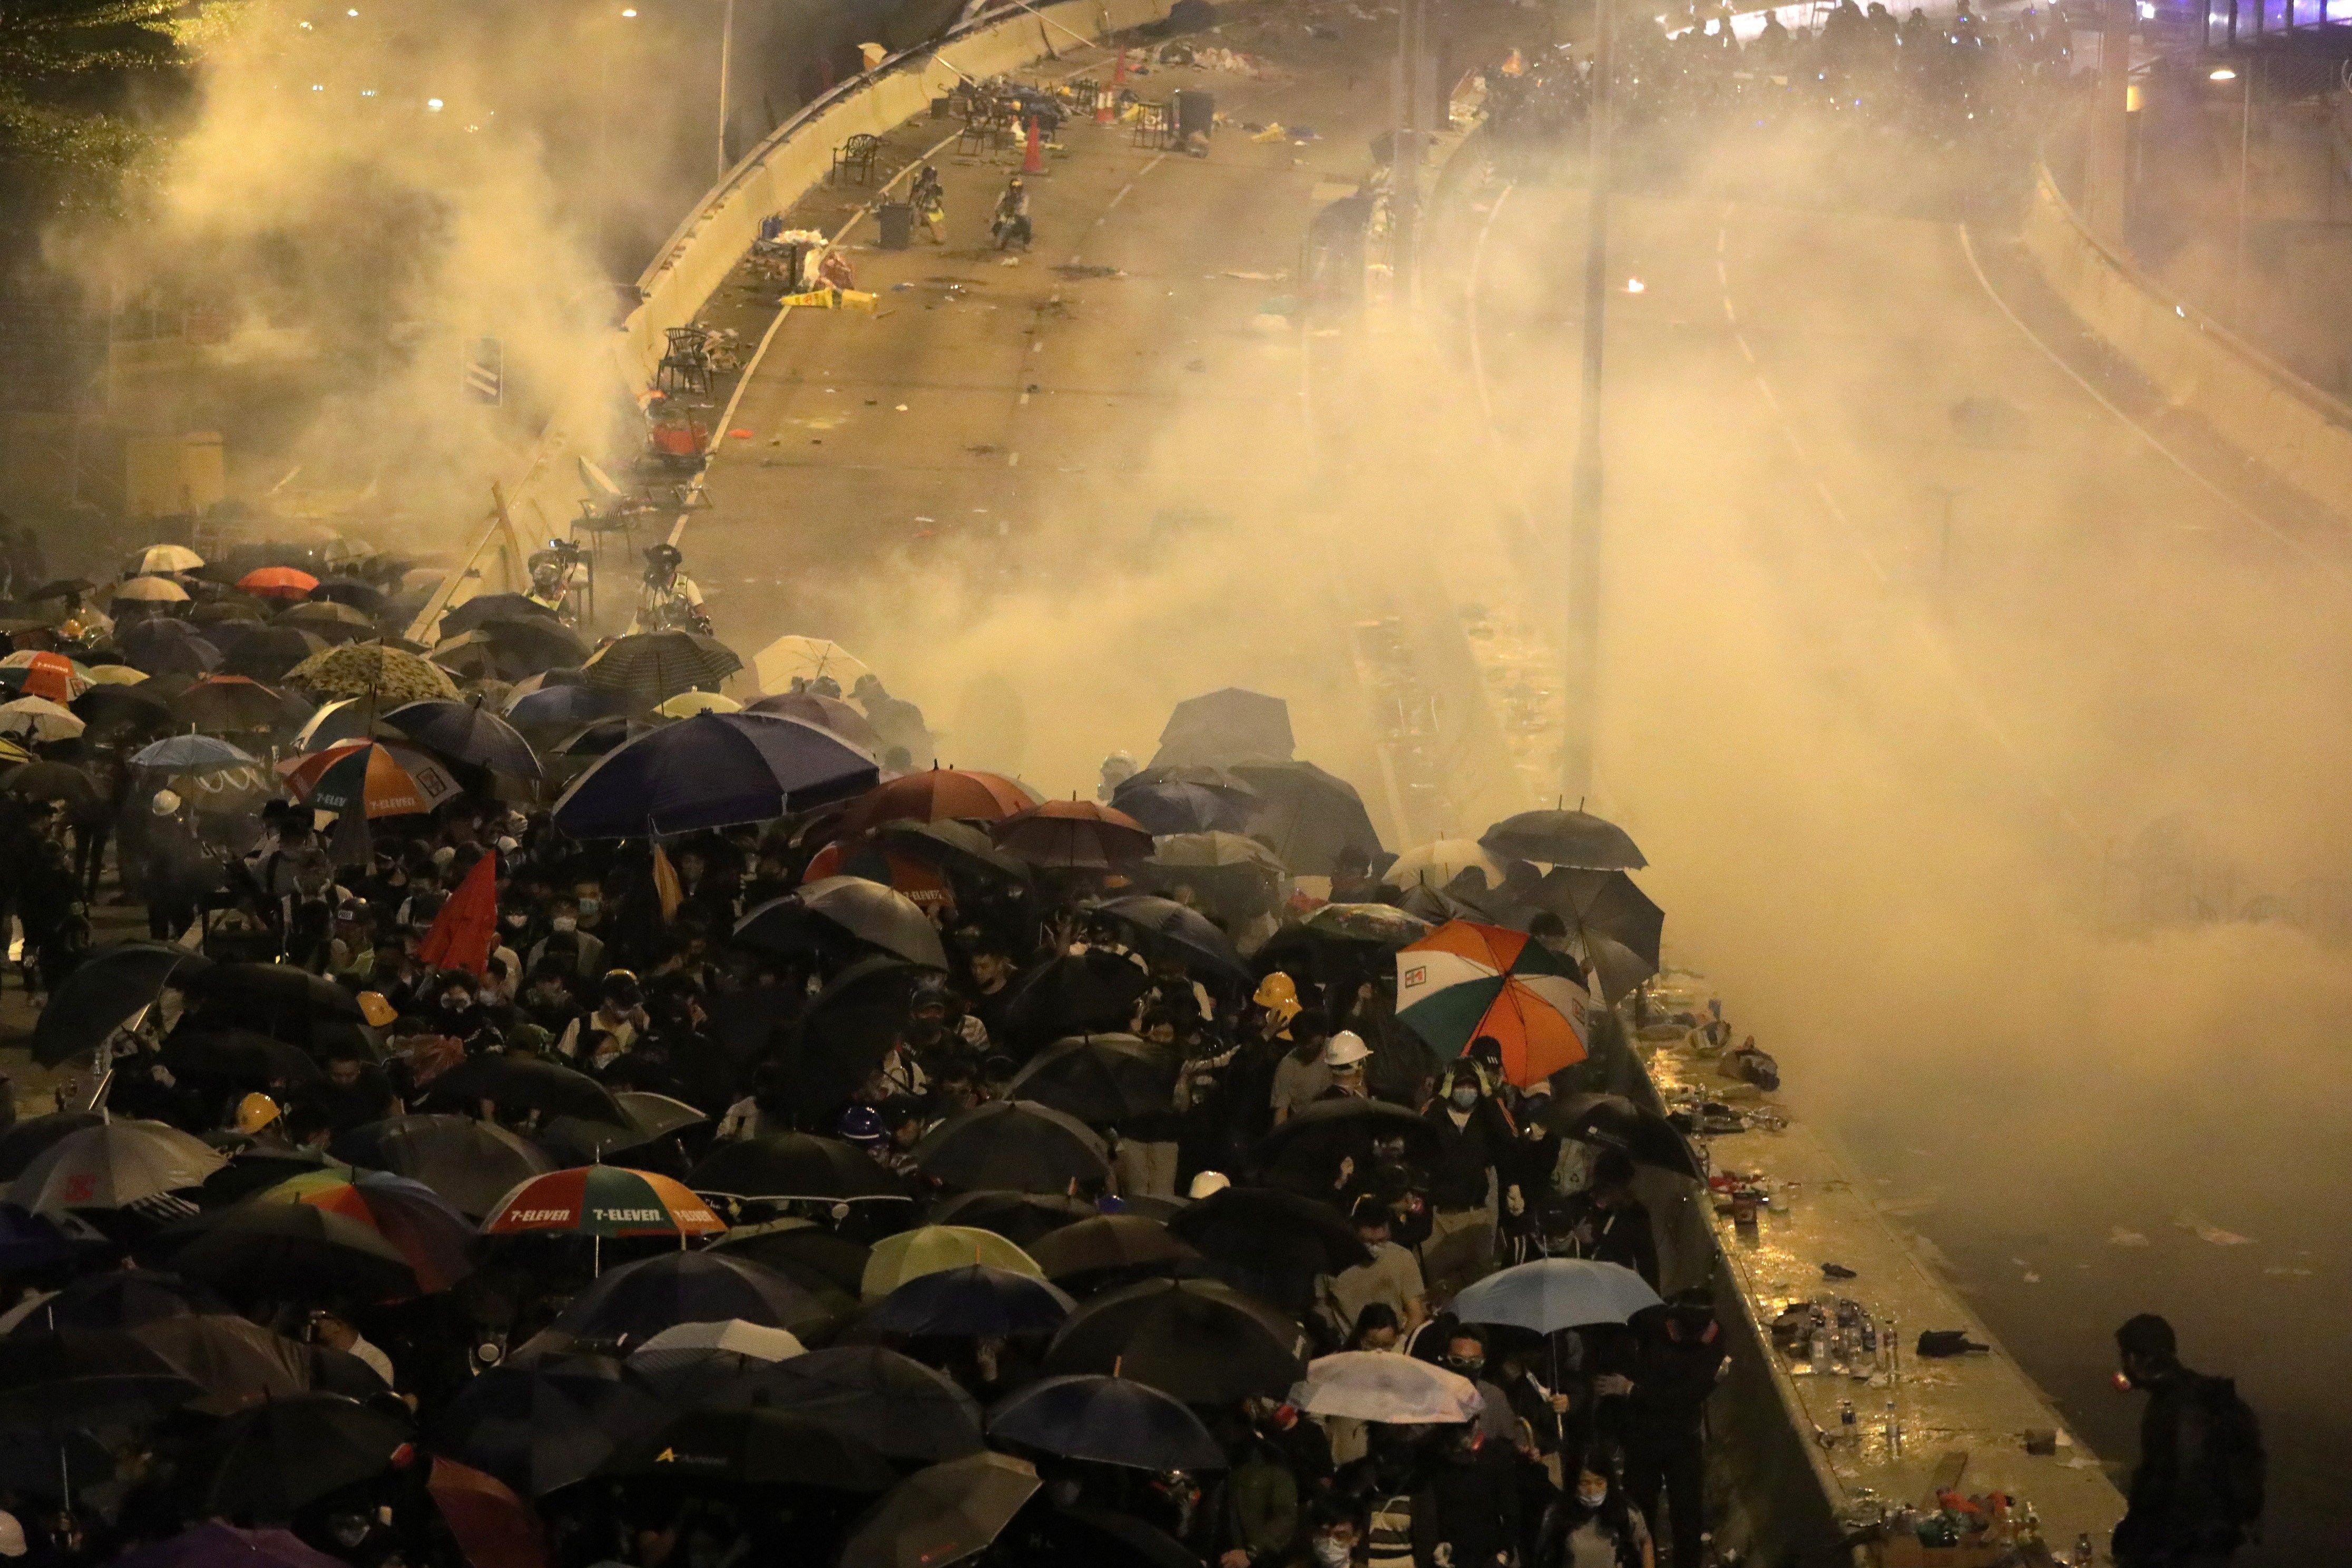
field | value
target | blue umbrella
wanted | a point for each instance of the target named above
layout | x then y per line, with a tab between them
714	770
973	1303
1111	1420
1554	1293
469	734
1173	806
186	753
560	708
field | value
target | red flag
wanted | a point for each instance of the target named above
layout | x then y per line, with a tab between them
462	933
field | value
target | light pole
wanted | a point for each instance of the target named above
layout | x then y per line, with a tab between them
1583	607
2245	135
602	175
726	62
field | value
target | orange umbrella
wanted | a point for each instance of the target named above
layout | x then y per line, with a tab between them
1074	835
52	675
277	583
392	781
921	883
602	1201
936	795
1465	980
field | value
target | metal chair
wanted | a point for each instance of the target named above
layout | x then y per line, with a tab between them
685	362
1154	127
855	159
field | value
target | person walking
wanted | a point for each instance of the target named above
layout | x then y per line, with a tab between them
2195	1495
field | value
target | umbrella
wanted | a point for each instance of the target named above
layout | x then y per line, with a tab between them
557	708
151	591
529	643
59	782
424	1227
333	622
38	673
235	1363
848	1028
714	770
602	1201
132	708
48	1462
383	780
105	991
168	647
1250	1225
1564	839
1316	1134
1105	1242
472	1163
954	847
646	668
277	583
911	1254
778	1167
851	905
1204	1343
29	1241
547	1425
1109	1420
276	992
241	1054
295	1251
1612	1121
936	795
217	1545
1170	806
1074	993
687	704
1239	879
469	734
285	1454
369	669
263	1165
943	1514
118	1298
1611	920
530	1083
811	659
1185	932
61	588
114	1165
1555	1293
975	1302
188	753
639	1299
37	719
165	558
802	1249
681	1344
922	881
826	713
230	702
1100	1079
53	1380
1441	863
889	1402
24	1139
755	1447
1021	1218
649	1119
481	607
267	653
344	719
1371	925
226	611
1073	834
1010	1143
1394	1390
350	591
1228	726
1463	981
1315	821
493	1527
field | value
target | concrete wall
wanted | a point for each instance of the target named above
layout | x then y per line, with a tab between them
2292	427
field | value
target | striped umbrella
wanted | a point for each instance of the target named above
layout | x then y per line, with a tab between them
602	1201
394	781
424	1228
1465	980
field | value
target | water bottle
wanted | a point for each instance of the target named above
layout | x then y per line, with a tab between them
2084	1553
1893	1430
1820	1349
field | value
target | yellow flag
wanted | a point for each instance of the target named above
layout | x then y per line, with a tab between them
666	886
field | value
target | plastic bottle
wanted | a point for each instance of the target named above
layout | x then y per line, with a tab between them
2085	1553
1894	1429
1819	1352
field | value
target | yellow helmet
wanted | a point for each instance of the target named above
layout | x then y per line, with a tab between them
254	1112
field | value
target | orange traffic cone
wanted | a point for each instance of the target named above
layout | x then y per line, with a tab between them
1102	106
1118	70
1032	160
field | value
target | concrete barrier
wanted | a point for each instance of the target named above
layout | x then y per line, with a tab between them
2298	432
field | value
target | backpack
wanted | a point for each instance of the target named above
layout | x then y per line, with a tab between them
1388	1532
2234	1451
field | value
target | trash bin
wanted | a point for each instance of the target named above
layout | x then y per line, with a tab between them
897	221
940	106
1196	112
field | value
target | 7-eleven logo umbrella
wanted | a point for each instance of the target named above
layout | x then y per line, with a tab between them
602	1201
1465	980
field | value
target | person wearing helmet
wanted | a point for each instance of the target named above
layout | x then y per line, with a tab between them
1011	220
1117	769
256	1113
554	576
861	1127
668	599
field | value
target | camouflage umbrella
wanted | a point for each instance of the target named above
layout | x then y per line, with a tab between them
361	669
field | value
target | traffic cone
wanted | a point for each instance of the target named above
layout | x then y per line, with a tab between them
1102	106
1118	70
1032	160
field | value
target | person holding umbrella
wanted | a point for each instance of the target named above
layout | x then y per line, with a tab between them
1608	1224
1659	1382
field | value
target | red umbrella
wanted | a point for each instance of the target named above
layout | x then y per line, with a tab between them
920	883
602	1201
1074	835
495	1528
277	583
936	794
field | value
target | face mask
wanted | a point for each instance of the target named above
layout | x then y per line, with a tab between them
457	1003
1466	1096
1592	1496
1330	1552
488	996
514	922
588	908
1464	1365
565	923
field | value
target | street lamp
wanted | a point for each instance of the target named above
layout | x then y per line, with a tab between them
726	56
2246	132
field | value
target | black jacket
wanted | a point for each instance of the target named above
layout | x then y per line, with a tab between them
2181	1502
1465	1154
1472	1507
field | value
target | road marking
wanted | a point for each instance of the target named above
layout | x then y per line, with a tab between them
1023	400
1013	460
1765	387
1741	339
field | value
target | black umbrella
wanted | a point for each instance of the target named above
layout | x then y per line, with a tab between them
532	644
548	1424
60	588
779	1166
1108	1420
637	1300
229	702
849	1027
336	623
1187	799
267	653
650	667
365	598
121	1299
1563	839
24	1141
1106	1242
102	994
1020	1218
958	849
61	781
1231	1223
1204	1343
240	1055
1182	932
1074	993
894	1404
756	1446
277	989
49	1461
492	606
823	911
285	1454
130	708
975	1301
471	1164
1100	1078
943	1514
520	1083
161	647
1613	920
1612	1121
1318	1134
1228	726
802	1250
826	713
651	1118
86	1375
284	1251
467	733
1011	1144
1315	820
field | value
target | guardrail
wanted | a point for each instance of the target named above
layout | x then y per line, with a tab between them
793	159
2258	405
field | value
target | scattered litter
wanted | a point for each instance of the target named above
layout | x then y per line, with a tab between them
738	434
2124	1235
981	450
1075	269
1033	387
1010	261
1837	1271
902	409
920	518
1196	365
2286	1271
1256	277
1274	132
901	287
2212	1234
2031	1278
